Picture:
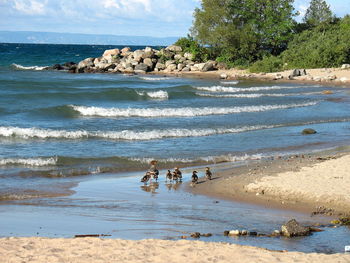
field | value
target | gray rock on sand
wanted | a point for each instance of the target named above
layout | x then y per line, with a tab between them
293	229
308	131
345	66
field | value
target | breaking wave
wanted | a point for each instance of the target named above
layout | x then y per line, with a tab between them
160	94
179	112
234	89
17	66
29	161
155	78
253	95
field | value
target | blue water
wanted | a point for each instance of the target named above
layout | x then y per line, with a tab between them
57	127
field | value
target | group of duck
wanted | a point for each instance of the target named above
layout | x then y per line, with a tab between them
172	176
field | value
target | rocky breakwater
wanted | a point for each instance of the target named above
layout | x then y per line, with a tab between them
166	60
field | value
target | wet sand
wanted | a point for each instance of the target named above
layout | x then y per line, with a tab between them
308	183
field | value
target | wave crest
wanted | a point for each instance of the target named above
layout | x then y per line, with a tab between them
235	90
17	66
179	112
29	161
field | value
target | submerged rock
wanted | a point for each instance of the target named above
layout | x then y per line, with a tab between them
293	229
309	131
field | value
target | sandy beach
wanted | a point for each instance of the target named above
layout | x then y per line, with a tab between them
302	182
94	250
334	76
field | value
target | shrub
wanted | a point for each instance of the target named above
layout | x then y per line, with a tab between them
267	64
188	44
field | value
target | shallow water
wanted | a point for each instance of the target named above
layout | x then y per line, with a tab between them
125	208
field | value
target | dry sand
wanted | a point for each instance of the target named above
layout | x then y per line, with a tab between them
94	250
336	76
298	182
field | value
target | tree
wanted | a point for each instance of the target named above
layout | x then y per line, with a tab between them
244	30
318	13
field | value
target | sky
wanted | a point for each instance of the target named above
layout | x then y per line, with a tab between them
157	18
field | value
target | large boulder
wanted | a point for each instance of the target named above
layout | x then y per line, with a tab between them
171	67
160	66
111	52
209	66
141	67
85	64
125	51
174	48
169	62
293	229
188	56
148	62
138	54
297	73
345	66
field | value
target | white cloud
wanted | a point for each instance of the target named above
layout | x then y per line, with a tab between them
30	7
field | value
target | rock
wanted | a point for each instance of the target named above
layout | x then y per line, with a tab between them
292	229
234	233
111	52
171	67
138	54
178	57
208	66
345	66
160	66
194	68
345	221
223	76
327	92
180	66
195	235
244	232
125	51
84	64
200	66
169	62
57	67
297	73
148	62
276	77
141	66
109	66
174	48
331	77
308	131
188	56
186	69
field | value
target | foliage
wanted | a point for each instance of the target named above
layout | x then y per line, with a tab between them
267	64
244	30
188	44
320	47
318	13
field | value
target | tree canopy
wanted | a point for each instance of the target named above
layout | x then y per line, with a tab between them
244	29
318	12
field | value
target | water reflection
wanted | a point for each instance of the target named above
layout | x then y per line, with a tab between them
151	188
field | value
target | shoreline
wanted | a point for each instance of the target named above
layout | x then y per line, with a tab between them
242	184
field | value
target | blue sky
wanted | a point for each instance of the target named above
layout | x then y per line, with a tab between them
158	18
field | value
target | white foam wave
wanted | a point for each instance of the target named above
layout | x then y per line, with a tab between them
28	67
235	90
254	95
155	78
179	112
29	161
27	133
160	94
234	82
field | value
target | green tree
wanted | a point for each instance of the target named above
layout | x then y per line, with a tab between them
318	13
244	30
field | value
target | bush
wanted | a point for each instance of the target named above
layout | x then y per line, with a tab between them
267	64
320	47
189	45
